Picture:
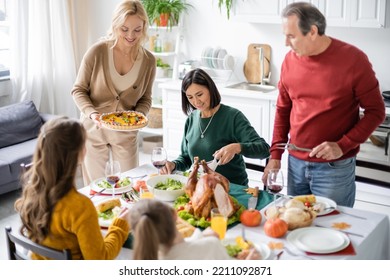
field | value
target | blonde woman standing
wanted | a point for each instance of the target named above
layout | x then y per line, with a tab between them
116	74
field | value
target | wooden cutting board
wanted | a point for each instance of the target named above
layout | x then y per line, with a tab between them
252	69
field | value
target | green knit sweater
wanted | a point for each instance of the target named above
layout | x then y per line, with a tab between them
228	126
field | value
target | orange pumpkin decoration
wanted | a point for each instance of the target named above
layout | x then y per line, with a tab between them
275	227
251	217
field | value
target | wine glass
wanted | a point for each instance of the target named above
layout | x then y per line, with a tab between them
218	222
275	182
113	173
159	158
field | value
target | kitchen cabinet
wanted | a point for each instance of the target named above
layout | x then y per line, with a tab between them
259	10
342	13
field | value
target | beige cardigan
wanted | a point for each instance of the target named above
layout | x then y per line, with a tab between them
94	91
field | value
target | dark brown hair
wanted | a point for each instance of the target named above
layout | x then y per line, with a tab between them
199	77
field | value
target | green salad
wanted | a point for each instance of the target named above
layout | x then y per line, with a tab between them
169	185
120	184
233	249
202	222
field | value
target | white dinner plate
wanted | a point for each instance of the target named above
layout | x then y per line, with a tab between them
318	240
106	223
215	57
262	248
221	55
124	130
209	58
95	187
328	203
204	57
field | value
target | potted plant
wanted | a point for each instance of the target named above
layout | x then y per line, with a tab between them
162	68
165	12
228	4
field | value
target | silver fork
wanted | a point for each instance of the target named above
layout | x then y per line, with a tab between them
290	146
297	255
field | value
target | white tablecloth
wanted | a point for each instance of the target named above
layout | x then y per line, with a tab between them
375	229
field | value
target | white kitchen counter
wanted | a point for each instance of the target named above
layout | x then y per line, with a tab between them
272	95
224	91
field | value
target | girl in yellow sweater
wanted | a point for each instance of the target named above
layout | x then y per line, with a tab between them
52	211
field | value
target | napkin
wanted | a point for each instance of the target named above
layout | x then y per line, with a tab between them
349	250
92	192
334	212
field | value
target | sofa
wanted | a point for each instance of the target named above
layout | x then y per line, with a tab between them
20	124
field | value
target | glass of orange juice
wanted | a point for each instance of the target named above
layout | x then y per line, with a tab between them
218	223
145	193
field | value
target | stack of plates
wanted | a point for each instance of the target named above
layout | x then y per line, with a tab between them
217	58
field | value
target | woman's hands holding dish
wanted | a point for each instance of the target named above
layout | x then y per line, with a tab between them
95	117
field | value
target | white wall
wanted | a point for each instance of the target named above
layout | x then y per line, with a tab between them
204	26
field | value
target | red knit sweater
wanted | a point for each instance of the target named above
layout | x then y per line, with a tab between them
319	100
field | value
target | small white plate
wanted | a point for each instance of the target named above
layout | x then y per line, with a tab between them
95	187
215	57
328	203
221	55
318	240
106	223
228	62
209	57
262	248
204	57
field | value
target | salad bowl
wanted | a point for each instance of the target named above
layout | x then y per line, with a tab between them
167	187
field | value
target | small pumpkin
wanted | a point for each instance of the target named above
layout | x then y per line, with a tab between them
275	227
251	217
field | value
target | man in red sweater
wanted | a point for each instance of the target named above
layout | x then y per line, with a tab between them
323	84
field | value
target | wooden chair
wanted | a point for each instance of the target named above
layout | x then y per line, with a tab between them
13	254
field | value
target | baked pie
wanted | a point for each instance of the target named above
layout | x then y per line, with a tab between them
124	120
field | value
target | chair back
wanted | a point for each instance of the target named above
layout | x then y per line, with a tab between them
13	239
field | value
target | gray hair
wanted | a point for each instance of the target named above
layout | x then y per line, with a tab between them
308	15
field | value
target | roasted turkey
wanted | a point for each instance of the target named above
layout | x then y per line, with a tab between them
211	190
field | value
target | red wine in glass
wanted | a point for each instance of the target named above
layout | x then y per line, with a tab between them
275	188
113	179
159	164
159	158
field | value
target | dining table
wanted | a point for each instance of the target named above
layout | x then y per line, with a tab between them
366	233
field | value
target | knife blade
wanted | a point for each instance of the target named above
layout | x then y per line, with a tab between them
252	201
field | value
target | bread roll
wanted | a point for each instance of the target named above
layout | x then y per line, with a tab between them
294	215
294	203
311	198
108	204
184	228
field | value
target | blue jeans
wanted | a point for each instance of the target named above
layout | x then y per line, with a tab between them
334	180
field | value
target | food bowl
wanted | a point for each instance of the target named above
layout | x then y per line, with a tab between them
168	194
296	218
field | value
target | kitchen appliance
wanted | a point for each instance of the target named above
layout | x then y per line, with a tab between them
257	64
377	147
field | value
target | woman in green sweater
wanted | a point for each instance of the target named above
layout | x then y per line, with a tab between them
214	130
52	211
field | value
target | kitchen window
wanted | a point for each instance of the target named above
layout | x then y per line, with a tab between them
4	39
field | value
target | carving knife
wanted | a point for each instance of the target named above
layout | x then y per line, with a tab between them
252	201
